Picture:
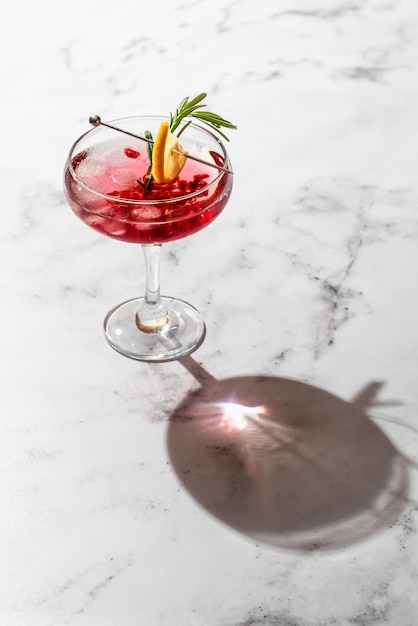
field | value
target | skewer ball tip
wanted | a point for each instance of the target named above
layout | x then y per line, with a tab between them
95	120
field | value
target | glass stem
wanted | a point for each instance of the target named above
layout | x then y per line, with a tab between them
152	314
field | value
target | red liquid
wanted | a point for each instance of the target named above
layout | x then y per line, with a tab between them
115	171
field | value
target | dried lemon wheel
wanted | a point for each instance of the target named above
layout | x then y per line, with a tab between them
167	162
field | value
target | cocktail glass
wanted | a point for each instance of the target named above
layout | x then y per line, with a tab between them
105	185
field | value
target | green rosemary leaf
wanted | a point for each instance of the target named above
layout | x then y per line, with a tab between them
193	108
214	119
198	98
184	128
148	135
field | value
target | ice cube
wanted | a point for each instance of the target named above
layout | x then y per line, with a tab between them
98	184
106	225
95	221
119	212
115	228
115	156
93	165
122	179
146	213
87	198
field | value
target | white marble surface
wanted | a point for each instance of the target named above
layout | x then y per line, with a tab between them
115	510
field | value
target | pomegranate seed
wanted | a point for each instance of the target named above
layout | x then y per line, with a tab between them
78	159
131	153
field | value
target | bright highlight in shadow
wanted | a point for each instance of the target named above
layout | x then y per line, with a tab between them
238	416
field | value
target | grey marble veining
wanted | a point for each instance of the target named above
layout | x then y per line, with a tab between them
271	477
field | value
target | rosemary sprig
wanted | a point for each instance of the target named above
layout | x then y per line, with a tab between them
148	135
192	108
147	181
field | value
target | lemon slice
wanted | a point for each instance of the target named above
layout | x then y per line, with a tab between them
167	162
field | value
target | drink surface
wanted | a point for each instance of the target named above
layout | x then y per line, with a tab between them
109	192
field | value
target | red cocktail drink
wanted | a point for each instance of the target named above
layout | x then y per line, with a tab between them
116	184
107	187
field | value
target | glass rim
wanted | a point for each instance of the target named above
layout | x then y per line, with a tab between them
139	202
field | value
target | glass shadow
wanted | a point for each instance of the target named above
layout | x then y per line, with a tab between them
286	463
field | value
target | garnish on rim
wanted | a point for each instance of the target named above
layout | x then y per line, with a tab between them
168	157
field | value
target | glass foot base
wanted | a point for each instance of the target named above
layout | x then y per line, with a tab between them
183	333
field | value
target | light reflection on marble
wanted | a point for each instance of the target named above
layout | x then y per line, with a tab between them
306	281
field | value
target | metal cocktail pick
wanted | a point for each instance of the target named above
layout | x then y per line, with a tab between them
95	120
